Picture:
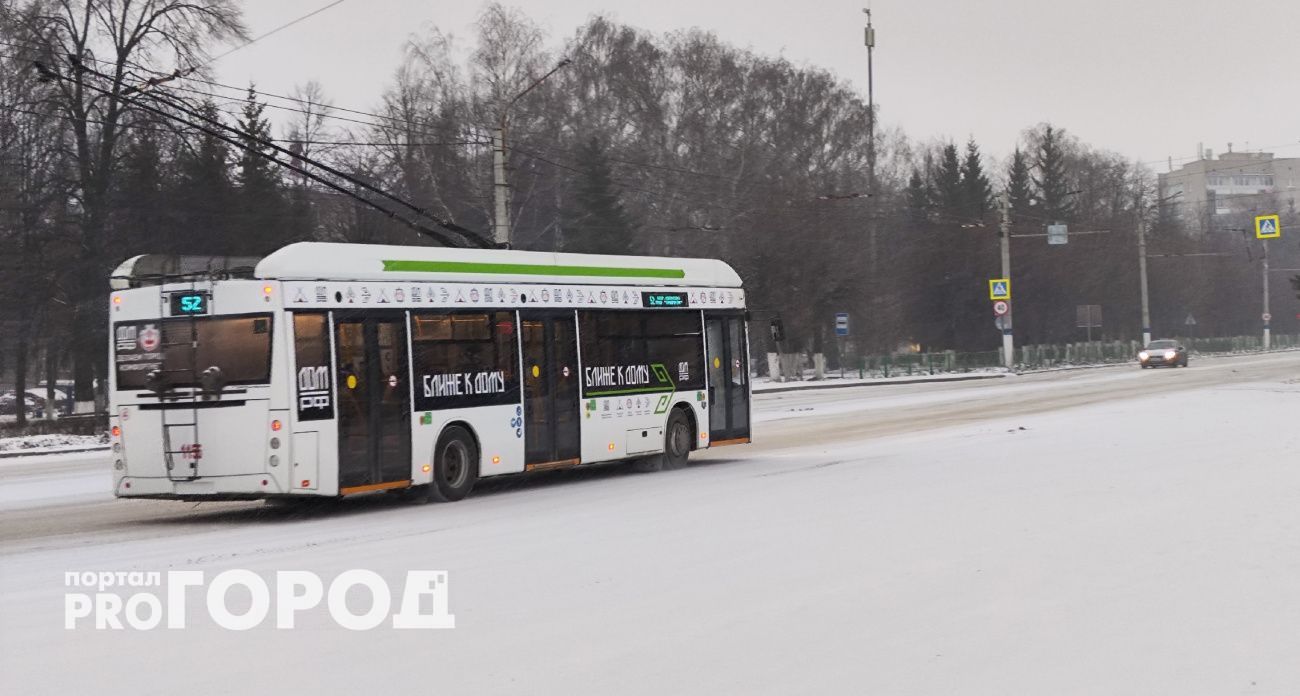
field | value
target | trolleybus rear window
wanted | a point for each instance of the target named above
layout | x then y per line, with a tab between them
182	348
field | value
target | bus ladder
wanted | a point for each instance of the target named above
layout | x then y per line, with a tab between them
190	452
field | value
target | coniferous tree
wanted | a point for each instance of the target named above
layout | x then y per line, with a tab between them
948	192
977	192
595	221
140	198
262	219
1052	182
918	198
1019	187
203	191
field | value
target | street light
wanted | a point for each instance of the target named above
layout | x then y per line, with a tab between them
1142	268
501	189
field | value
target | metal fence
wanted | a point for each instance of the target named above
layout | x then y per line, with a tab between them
1039	357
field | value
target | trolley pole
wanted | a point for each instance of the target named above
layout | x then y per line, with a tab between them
1142	274
1267	316
1008	342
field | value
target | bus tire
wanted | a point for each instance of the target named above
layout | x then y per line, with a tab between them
678	436
675	451
455	465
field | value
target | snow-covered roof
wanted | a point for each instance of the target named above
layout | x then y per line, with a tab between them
377	262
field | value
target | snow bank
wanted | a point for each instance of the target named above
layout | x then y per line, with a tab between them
51	443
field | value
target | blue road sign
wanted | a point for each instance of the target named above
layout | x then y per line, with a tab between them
1268	227
842	324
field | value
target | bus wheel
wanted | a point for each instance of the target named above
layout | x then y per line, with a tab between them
677	440
455	466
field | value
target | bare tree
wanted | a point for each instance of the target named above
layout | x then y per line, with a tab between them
33	198
309	124
124	40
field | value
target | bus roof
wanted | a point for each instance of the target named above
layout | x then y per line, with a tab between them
377	262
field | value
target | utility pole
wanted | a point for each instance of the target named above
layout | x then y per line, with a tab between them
500	187
1008	342
1267	317
869	37
1142	274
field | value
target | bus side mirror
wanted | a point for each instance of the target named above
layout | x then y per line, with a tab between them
778	330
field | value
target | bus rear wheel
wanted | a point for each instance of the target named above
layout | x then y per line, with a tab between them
677	445
455	465
677	439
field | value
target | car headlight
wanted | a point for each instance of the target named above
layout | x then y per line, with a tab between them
1170	355
1143	355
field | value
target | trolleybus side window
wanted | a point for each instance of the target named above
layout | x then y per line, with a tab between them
182	348
621	351
464	360
311	346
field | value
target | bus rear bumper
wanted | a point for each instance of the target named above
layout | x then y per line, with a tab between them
239	487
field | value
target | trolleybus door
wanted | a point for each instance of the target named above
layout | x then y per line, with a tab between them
550	360
374	414
728	366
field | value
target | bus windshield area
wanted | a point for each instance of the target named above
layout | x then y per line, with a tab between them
178	351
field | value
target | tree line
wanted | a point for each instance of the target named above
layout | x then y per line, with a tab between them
674	144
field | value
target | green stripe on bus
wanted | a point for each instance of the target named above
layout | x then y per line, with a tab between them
394	265
621	392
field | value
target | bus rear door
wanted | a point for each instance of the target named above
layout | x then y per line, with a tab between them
374	412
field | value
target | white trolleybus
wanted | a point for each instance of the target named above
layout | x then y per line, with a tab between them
335	369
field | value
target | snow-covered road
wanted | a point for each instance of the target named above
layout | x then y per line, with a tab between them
1101	531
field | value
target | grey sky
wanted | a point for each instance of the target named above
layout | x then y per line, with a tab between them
1147	78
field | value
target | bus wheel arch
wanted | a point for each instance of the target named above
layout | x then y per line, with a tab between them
457	460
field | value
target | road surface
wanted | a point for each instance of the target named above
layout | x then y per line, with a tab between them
1092	531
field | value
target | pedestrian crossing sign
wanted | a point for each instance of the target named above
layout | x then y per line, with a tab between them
1268	227
1000	289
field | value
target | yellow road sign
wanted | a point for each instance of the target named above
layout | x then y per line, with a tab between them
1268	227
999	288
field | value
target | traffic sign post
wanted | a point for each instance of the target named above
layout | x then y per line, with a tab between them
841	332
1268	226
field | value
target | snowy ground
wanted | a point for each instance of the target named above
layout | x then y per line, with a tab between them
1098	532
50	443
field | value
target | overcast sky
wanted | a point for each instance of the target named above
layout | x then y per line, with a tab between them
1146	78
